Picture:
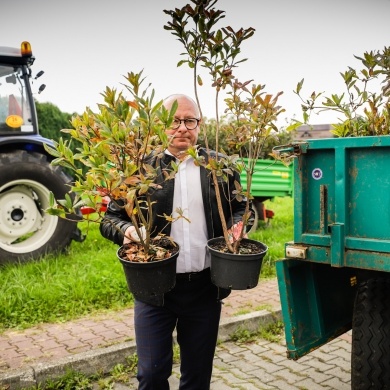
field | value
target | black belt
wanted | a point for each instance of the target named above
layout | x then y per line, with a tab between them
191	276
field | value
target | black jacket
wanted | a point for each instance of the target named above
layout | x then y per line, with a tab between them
116	221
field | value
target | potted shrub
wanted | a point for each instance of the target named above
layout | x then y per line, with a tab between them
363	111
113	146
252	114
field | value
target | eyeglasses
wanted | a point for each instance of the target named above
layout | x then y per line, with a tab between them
190	123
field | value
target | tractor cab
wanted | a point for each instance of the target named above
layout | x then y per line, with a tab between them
17	113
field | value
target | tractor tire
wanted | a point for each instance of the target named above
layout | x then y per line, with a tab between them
370	357
26	231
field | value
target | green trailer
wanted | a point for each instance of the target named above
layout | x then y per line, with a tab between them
271	179
336	273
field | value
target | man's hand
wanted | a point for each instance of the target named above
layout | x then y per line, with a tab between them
131	234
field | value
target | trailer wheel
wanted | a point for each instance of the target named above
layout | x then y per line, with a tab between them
370	358
26	231
255	219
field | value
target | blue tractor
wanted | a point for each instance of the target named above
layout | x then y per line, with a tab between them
26	175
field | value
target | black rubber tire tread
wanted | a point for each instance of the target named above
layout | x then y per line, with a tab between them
255	220
370	357
20	164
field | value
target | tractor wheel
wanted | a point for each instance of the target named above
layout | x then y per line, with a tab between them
26	231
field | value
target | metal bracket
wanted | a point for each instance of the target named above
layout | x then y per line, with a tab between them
337	244
296	252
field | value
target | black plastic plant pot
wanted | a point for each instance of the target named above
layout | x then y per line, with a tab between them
236	271
147	280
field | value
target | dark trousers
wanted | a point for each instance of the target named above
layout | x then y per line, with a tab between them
193	308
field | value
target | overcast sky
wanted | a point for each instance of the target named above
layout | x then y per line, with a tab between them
85	45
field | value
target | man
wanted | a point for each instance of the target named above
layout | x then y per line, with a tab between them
193	307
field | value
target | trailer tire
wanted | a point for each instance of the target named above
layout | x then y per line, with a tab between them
370	357
26	231
255	219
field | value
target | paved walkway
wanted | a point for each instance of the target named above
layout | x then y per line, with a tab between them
263	365
100	342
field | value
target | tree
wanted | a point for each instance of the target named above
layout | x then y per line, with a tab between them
282	137
51	120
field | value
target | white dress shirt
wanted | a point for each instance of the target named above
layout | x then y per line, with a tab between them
191	236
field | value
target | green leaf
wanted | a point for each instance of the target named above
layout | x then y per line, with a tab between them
299	86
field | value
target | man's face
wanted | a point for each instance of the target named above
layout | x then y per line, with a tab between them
182	138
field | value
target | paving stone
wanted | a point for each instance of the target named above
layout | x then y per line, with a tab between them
318	376
267	365
310	384
336	384
263	375
319	364
282	385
